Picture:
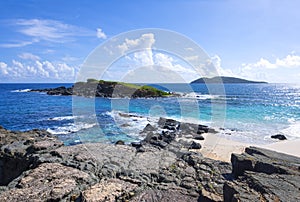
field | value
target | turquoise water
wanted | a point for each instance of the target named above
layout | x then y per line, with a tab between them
249	112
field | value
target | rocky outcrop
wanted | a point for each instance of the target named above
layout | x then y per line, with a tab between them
18	151
163	168
120	172
263	175
94	88
49	182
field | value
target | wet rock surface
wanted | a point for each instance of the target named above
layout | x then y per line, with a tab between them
162	167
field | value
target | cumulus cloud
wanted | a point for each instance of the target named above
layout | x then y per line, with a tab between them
144	42
280	70
37	70
100	34
141	60
216	60
28	56
290	61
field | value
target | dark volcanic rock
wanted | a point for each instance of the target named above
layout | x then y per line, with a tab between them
176	194
18	149
195	145
49	182
279	137
198	137
120	142
263	175
110	190
265	161
37	167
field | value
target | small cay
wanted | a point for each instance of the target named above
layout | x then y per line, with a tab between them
110	89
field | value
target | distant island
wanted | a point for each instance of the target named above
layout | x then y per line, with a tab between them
224	79
101	88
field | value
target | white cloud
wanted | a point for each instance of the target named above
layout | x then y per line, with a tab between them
3	68
216	60
28	56
50	30
47	30
68	58
192	58
144	42
37	70
100	34
17	44
280	70
143	64
290	61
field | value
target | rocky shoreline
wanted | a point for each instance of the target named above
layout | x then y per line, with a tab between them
166	166
110	89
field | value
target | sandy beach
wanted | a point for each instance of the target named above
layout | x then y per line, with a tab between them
219	148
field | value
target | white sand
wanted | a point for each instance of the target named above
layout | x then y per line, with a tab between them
291	147
219	148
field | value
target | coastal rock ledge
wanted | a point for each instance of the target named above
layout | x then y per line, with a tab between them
35	166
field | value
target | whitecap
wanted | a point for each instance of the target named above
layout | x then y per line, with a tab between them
61	118
70	128
21	91
199	96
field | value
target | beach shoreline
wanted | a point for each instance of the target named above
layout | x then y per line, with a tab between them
220	148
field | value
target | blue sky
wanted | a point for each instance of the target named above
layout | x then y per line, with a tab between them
47	41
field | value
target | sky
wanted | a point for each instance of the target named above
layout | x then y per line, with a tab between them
50	40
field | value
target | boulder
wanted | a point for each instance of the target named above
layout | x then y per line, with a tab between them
279	137
198	137
195	145
263	175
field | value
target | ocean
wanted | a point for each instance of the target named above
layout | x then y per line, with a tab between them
248	113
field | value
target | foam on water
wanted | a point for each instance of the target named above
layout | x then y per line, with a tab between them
21	91
130	123
293	131
199	96
61	118
70	128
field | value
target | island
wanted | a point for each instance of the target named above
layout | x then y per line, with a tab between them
101	88
224	79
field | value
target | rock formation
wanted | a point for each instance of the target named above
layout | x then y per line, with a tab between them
166	166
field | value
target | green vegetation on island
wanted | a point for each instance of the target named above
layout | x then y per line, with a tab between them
101	88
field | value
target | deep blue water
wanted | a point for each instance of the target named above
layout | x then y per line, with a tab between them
249	112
